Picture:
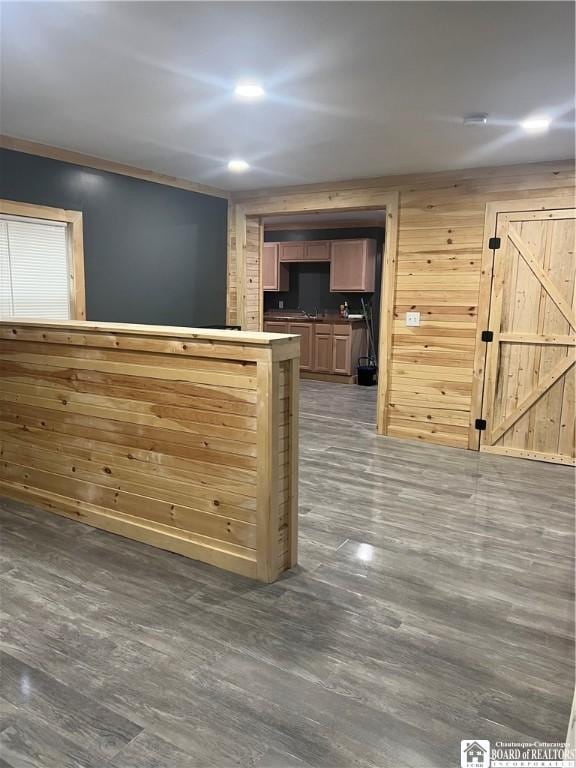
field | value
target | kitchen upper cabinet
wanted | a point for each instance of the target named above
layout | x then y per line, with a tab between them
292	251
353	266
352	263
323	348
306	333
275	276
319	251
304	251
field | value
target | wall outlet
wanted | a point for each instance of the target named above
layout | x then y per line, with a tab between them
412	319
280	304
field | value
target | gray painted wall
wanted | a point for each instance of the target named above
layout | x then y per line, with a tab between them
153	254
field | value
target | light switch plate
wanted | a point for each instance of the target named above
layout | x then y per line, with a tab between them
280	304
412	319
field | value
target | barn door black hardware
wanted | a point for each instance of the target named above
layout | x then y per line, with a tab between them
480	425
494	243
487	336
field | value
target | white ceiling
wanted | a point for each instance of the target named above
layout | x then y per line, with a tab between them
355	89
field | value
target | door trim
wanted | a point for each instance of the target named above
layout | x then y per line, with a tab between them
485	293
318	202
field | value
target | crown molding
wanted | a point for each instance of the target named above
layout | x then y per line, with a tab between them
77	158
406	181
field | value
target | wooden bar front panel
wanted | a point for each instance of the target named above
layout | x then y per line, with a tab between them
178	438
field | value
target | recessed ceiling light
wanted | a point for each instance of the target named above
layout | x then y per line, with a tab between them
249	91
476	118
238	166
536	124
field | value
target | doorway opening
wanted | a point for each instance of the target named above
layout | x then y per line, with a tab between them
245	262
322	280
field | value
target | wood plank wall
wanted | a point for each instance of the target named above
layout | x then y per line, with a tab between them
250	298
232	298
183	440
254	306
440	240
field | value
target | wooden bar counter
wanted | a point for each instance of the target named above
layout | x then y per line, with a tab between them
181	438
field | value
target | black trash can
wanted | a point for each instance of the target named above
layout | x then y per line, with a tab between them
367	372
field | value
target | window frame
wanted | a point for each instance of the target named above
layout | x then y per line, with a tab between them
75	236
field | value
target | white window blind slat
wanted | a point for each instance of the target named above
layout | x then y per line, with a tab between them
6	307
35	278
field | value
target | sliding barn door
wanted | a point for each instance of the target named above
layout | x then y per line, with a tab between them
529	389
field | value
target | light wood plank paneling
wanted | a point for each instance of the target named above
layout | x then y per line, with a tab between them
528	391
435	269
151	434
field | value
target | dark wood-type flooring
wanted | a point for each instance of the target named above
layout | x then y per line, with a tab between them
433	603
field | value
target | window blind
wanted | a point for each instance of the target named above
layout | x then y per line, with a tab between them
34	272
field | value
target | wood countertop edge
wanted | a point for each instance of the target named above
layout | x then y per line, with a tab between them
318	320
181	332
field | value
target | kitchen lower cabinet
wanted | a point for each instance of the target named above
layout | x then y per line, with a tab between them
330	350
323	349
271	326
306	333
337	348
342	353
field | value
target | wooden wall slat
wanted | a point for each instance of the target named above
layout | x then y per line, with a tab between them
143	438
152	462
440	244
110	473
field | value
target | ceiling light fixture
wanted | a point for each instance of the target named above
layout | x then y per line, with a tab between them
249	91
238	166
476	118
538	124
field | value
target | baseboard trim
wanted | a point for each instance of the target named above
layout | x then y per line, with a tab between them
334	377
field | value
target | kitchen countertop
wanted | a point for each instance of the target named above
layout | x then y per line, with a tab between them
328	319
